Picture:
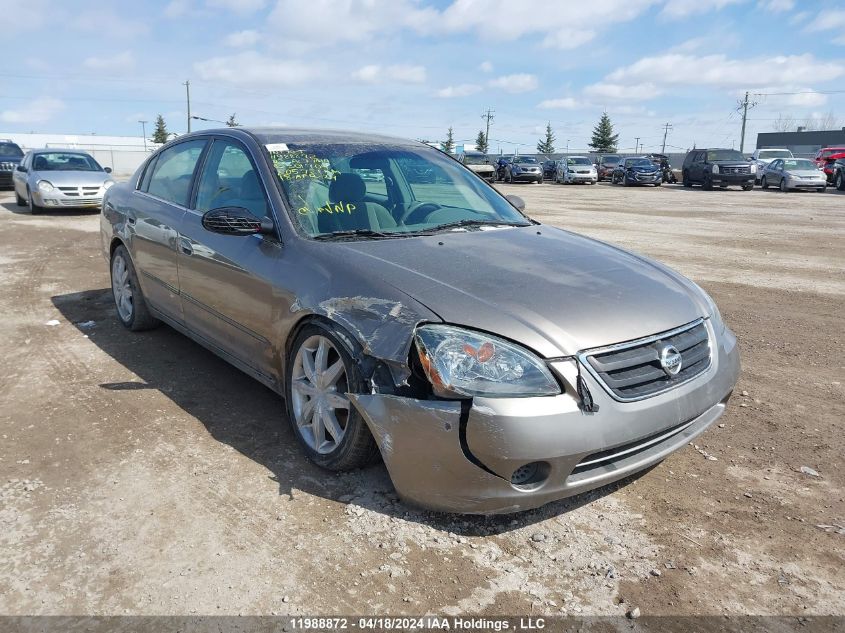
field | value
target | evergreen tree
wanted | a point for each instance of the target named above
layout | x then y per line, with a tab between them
231	121
604	140
448	145
547	145
481	142
160	132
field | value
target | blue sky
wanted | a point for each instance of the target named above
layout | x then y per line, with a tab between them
413	68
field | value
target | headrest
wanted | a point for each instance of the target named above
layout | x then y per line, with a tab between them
347	187
250	184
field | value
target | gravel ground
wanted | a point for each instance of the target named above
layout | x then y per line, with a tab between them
139	474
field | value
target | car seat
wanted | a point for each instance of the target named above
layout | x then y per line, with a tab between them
349	189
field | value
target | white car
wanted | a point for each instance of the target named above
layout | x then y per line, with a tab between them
762	157
576	169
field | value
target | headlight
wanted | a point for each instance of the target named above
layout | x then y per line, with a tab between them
713	311
44	186
715	169
753	168
107	184
461	363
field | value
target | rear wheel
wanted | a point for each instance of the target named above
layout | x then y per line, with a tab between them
321	372
129	299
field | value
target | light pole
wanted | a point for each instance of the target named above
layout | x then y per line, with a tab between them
637	145
144	133
567	147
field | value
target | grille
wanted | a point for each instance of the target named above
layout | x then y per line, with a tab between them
633	371
6	166
736	170
79	191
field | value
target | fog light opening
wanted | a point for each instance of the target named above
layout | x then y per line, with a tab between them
530	476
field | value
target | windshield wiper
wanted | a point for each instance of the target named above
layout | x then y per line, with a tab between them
353	233
462	223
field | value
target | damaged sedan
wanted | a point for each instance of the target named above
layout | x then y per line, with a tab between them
492	362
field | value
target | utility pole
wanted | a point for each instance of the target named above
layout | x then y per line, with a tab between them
187	85
144	133
666	128
744	105
489	116
637	145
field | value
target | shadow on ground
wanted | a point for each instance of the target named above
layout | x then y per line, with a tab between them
240	412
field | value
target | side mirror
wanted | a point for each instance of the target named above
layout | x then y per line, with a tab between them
516	201
21	168
107	170
236	221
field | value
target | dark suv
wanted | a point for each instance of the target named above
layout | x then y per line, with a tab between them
10	158
722	167
838	170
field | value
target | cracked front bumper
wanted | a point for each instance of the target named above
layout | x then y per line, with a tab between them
454	457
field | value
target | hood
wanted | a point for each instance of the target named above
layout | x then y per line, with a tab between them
553	291
72	178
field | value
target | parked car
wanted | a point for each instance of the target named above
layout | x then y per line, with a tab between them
661	161
605	166
762	157
414	325
480	163
502	166
722	167
524	169
825	158
576	169
793	173
549	169
839	174
59	178
636	171
10	158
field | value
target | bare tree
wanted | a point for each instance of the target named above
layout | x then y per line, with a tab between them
822	122
784	123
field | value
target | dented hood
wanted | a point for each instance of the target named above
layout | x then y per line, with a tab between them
553	291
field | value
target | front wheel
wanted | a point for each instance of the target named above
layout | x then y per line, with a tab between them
34	209
20	201
748	187
708	182
685	179
839	181
321	372
764	183
132	310
783	186
821	189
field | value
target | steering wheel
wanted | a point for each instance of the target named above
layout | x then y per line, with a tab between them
419	211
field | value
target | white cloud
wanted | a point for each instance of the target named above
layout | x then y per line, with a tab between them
829	21
776	6
242	39
250	68
237	6
638	92
120	61
177	8
485	67
402	73
105	23
520	82
565	103
676	9
461	90
37	111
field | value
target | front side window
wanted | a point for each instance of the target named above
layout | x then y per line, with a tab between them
393	190
229	179
65	161
173	171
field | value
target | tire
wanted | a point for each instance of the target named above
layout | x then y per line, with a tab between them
20	201
821	189
783	186
657	184
764	183
708	182
34	209
839	181
130	304
685	179
353	445
748	187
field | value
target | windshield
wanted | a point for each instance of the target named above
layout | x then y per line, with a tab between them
774	153
724	154
391	190
10	149
64	161
578	160
638	162
470	159
799	164
525	159
610	160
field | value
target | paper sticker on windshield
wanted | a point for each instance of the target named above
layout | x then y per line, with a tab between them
276	147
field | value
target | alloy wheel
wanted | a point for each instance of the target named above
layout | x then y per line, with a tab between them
318	388
122	288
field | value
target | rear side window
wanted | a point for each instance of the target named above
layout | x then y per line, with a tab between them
173	171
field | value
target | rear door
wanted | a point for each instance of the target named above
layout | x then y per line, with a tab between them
226	280
154	216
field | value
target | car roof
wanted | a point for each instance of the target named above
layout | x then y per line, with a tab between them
317	136
59	150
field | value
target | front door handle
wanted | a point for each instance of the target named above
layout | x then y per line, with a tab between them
185	246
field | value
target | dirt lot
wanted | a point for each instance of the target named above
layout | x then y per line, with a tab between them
140	474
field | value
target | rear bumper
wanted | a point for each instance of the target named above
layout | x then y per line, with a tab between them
460	457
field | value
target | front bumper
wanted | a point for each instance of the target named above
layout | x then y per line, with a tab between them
644	179
5	179
733	179
528	176
56	199
455	456
817	183
574	178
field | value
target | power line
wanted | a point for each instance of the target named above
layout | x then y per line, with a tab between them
666	128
